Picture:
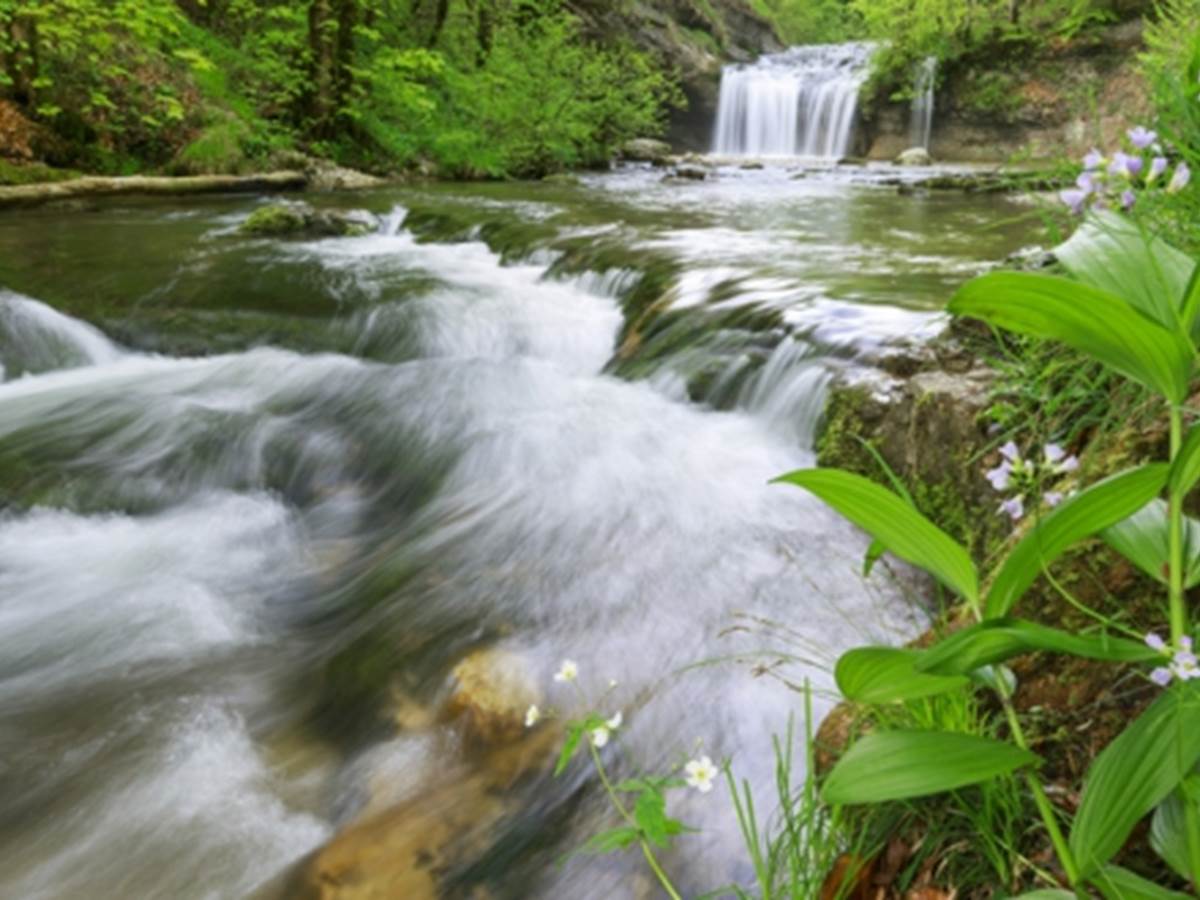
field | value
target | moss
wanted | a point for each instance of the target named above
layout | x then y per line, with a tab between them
274	220
217	150
12	173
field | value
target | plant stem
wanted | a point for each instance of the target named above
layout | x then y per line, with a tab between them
1061	848
613	796
1175	540
1178	612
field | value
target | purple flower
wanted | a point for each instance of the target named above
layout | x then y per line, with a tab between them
1094	160
1014	508
999	476
1158	165
1186	643
1054	453
1128	199
1161	676
1154	642
1053	498
1011	452
1087	183
1141	138
1119	164
1133	166
1070	464
1074	199
1180	179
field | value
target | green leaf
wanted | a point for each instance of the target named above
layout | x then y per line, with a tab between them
895	524
1092	321
613	839
888	675
650	813
874	553
1102	504
1191	305
997	640
1186	470
1047	895
1110	253
570	745
1135	773
1116	883
899	765
1143	539
1168	831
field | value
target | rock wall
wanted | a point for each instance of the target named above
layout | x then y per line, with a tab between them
1063	100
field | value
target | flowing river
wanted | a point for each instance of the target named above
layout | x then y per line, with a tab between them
258	497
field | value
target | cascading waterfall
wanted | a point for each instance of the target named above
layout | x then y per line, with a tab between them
802	102
920	128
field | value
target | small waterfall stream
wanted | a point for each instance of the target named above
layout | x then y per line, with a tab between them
537	419
802	102
920	129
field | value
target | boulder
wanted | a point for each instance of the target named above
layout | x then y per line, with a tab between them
914	156
646	150
303	221
408	850
691	173
493	689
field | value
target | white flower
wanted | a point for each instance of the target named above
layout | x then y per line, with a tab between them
700	774
600	736
532	716
615	722
568	671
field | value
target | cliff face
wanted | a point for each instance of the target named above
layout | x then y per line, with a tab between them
697	37
1062	100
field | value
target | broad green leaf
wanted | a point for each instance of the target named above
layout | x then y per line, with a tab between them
895	524
1143	540
899	765
1135	773
1116	883
1092	321
997	640
1047	894
1191	305
1186	470
1168	831
1110	253
1088	512
887	675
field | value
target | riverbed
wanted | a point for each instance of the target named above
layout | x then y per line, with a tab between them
261	496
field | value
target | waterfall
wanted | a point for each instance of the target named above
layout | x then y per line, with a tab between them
802	102
920	128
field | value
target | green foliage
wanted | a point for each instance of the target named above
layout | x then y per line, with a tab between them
1129	308
888	675
1092	510
998	640
496	88
895	523
810	21
899	765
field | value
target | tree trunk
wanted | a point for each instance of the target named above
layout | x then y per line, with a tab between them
34	194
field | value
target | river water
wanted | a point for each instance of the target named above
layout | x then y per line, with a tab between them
258	495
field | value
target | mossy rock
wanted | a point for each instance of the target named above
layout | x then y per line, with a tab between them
301	220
